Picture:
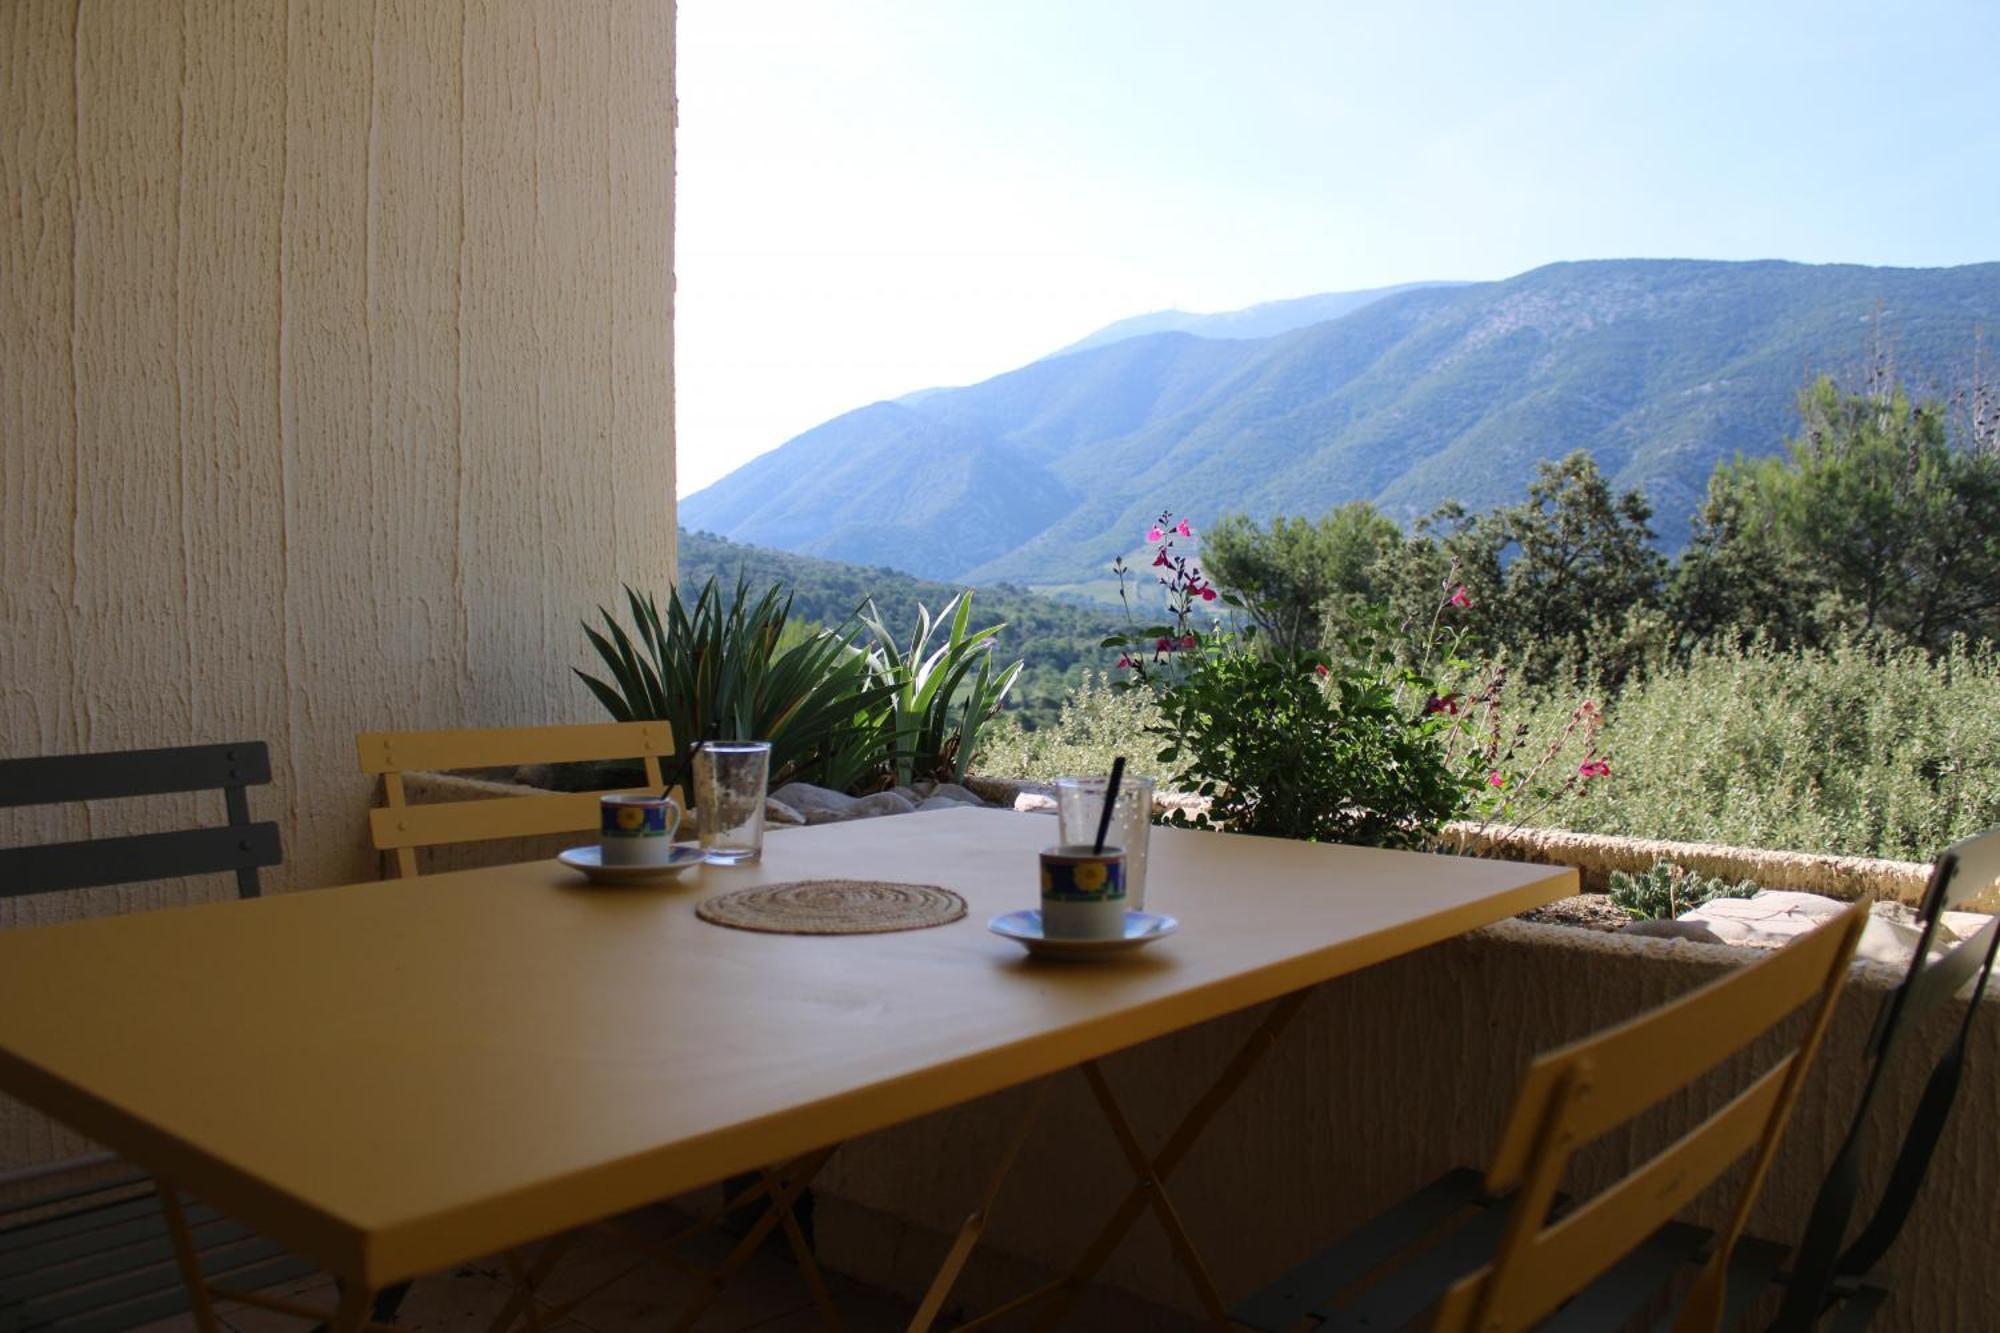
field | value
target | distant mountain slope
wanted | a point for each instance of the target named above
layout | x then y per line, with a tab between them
1257	321
1661	368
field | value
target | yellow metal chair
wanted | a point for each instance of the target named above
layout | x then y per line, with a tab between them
402	828
1510	1253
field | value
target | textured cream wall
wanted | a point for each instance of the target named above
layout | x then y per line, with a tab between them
335	373
335	384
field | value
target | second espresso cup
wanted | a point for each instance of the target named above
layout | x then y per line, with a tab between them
1083	893
637	830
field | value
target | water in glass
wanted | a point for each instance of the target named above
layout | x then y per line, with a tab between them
729	780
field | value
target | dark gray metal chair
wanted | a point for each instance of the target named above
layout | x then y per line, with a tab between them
1824	1277
1820	1280
98	1259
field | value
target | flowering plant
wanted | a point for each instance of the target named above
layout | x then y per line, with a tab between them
1513	776
1161	653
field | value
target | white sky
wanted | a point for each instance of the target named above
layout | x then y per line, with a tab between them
877	196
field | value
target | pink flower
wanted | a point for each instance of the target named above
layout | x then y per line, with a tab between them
1441	703
1153	534
1208	594
1125	662
1160	558
1319	669
1188	642
1459	597
1596	768
1165	645
1183	529
1494	779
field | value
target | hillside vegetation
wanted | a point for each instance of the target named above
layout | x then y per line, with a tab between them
1057	640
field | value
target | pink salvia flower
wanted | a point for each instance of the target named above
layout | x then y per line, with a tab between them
1208	594
1188	642
1183	529
1125	662
1596	768
1319	669
1494	779
1459	597
1161	558
1153	534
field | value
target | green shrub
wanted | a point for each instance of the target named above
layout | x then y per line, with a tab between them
1664	890
1861	749
1292	747
1097	722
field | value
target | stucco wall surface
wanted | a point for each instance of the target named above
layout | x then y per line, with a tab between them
335	382
1386	1079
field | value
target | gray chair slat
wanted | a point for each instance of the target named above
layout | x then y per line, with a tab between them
1414	1287
139	1248
1975	866
105	777
69	1236
1753	1266
1938	981
1859	1309
133	1283
1629	1286
1281	1303
164	1304
85	1218
52	867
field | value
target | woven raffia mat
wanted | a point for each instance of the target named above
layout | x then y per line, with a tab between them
833	907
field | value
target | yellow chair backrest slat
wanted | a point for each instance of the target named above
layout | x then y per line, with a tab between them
1578	1092
402	828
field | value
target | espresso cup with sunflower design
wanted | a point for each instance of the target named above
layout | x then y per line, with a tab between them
637	830
1083	893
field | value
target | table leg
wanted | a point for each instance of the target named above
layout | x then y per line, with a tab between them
1150	1189
975	1223
187	1258
796	1177
1148	1192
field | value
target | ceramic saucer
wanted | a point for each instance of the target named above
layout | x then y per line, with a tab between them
589	860
1025	928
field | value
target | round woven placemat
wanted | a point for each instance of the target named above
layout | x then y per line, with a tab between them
833	907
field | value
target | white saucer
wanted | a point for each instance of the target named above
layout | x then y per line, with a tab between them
589	860
1025	928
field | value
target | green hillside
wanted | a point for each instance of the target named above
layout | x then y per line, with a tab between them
1057	640
1661	368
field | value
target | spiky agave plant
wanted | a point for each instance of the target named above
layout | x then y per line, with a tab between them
718	669
933	732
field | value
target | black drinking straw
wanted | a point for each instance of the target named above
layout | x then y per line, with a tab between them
1110	799
680	776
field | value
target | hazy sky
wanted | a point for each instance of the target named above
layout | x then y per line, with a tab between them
877	196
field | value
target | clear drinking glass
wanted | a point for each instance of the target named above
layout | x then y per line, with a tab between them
1079	803
729	778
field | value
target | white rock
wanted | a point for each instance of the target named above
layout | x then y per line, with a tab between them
881	803
1035	803
806	798
778	813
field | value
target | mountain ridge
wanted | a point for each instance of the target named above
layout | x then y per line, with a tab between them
1661	368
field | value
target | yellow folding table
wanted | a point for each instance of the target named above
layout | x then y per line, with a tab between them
391	1078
